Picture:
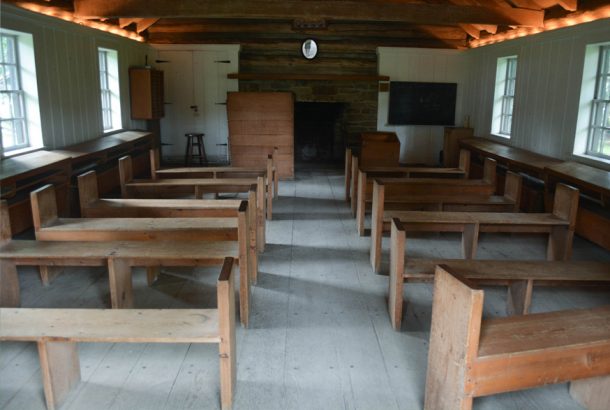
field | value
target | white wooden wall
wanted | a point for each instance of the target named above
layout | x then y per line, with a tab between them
420	144
67	72
547	96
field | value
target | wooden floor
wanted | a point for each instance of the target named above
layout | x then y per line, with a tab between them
320	337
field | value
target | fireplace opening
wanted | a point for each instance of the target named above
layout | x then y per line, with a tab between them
319	132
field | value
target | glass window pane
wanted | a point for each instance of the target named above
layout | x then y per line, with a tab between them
5	106
11	77
8	140
605	142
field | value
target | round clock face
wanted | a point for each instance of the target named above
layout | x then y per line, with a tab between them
309	48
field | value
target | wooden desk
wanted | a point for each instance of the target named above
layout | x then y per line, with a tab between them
516	159
21	174
102	155
593	220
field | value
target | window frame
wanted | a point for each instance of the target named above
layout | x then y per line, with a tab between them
18	93
110	90
600	106
508	98
504	96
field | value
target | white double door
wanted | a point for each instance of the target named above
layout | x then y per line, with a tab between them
196	86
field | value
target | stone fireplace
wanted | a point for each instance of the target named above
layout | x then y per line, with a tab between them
355	113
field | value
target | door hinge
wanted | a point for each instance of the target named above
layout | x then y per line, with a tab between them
223	61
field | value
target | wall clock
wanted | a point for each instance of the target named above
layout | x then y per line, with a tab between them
309	48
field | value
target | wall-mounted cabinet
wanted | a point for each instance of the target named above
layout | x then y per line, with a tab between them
146	91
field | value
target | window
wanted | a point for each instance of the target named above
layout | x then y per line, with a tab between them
599	128
504	96
12	99
109	89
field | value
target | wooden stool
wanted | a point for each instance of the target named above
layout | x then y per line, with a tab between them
195	140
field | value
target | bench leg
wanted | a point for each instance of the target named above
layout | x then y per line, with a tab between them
276	184
397	267
354	187
348	170
121	292
9	284
226	316
152	274
260	213
269	194
470	240
519	297
559	247
60	368
592	394
48	273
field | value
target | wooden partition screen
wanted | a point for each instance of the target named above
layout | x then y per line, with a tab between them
258	122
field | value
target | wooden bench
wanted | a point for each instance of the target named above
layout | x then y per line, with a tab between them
172	188
57	332
91	206
559	225
269	172
471	357
49	227
400	188
519	276
509	202
462	171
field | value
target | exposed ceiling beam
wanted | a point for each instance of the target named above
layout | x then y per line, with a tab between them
124	22
200	38
486	27
471	30
333	29
290	9
570	5
143	24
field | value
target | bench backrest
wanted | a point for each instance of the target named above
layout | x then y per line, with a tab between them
512	188
565	203
454	339
5	222
44	206
464	162
125	173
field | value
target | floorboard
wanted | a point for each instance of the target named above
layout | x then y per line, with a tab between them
319	338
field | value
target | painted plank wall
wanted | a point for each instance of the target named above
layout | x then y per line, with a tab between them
549	76
550	67
67	72
421	144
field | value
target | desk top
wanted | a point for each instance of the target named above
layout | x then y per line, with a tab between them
23	164
99	146
592	178
513	156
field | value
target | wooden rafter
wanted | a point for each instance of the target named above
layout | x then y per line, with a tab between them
291	9
570	5
471	30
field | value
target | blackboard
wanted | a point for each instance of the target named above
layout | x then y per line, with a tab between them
414	103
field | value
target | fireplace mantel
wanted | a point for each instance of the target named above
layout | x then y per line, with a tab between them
312	77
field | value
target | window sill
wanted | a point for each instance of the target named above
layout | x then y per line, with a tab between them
17	152
113	131
503	136
593	161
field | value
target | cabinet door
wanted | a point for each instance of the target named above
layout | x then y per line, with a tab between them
179	97
210	86
196	85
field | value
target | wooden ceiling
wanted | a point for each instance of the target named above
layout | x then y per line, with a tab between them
406	23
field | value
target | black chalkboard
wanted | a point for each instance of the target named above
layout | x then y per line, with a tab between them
422	103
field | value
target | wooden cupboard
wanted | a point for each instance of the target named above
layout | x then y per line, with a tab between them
146	91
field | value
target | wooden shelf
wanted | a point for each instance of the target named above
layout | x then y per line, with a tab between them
311	77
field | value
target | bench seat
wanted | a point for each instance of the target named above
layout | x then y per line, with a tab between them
57	332
559	225
470	356
269	172
110	325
